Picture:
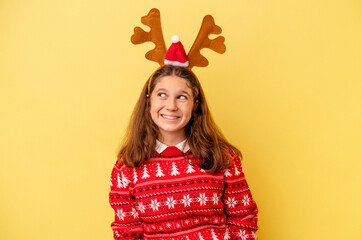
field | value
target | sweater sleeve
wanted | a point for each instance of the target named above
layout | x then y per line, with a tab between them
239	206
127	224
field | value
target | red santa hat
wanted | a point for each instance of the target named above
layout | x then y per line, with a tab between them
176	54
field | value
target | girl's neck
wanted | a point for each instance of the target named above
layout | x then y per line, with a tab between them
172	139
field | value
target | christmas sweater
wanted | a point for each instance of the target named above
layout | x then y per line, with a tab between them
169	197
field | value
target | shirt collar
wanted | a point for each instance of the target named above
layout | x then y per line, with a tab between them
183	146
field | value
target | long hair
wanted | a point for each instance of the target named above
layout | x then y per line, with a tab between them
205	139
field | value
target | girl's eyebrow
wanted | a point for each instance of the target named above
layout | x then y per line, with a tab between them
165	90
161	89
186	93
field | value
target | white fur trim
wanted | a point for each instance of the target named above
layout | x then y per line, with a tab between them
175	39
176	63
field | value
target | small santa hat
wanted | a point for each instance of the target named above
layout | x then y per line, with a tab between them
176	54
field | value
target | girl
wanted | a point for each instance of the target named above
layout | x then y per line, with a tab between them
177	177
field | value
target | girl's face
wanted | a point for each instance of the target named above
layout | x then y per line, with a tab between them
171	108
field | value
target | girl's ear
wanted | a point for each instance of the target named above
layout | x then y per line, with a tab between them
196	104
147	102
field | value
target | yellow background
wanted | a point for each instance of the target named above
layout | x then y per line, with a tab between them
287	92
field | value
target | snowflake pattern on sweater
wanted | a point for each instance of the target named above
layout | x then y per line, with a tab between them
168	199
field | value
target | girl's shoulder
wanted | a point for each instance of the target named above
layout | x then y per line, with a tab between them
233	156
120	164
121	168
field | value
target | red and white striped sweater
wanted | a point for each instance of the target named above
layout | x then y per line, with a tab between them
167	198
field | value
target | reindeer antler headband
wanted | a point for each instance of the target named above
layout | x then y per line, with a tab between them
176	54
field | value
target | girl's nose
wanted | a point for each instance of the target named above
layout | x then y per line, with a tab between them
171	104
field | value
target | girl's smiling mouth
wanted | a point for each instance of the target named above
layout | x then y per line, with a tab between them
169	117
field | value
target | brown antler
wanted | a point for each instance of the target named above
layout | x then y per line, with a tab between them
152	19
203	41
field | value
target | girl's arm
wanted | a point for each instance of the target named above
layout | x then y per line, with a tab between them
127	224
240	208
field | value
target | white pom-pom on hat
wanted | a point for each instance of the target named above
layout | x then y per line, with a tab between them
175	39
176	55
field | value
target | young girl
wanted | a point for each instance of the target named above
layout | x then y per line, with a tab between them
177	177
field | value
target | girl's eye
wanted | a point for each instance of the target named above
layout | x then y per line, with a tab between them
162	94
182	97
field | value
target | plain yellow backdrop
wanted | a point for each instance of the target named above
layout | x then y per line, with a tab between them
287	92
